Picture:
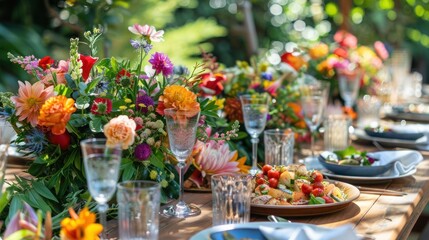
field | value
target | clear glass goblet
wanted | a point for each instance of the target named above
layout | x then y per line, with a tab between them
102	163
255	111
349	82
6	135
314	98
182	131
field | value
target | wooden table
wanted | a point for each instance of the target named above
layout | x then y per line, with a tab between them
374	216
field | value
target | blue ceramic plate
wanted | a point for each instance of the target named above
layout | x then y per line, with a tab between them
246	230
353	170
392	135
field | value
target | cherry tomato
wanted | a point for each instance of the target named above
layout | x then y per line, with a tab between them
318	185
259	175
260	181
273	174
266	168
328	199
317	176
273	182
63	140
306	189
317	192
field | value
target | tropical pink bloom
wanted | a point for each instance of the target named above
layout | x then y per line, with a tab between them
147	31
345	39
381	51
30	100
120	130
87	63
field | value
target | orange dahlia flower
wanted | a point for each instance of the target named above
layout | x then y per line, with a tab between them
30	100
318	51
80	227
55	113
179	98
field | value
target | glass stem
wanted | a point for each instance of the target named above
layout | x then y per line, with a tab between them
102	209
181	165
312	143
254	155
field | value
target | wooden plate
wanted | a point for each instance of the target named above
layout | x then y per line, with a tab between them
309	210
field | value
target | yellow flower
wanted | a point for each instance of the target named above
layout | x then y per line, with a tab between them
30	100
56	112
318	51
179	98
120	130
80	227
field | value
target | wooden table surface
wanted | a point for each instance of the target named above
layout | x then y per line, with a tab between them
374	216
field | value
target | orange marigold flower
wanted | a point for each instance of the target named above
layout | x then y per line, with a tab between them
233	109
80	227
318	51
56	112
179	98
30	100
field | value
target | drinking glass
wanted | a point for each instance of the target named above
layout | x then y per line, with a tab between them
349	82
314	98
6	135
102	163
182	130
255	110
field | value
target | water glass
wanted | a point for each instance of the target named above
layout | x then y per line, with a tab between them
279	145
138	215
368	110
336	132
231	194
6	135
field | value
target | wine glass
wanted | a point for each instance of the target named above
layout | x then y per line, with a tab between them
349	81
102	163
255	110
314	98
182	130
6	135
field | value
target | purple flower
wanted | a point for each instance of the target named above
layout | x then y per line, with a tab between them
267	76
161	64
135	44
144	101
142	151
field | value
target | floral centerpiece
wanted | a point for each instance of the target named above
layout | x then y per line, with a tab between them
84	97
343	56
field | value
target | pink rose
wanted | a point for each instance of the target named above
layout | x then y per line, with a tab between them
120	130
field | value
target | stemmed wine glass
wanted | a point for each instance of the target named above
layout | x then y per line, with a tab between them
182	130
349	82
102	163
314	98
255	110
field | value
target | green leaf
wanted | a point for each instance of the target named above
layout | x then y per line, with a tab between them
4	200
83	101
41	189
70	82
128	172
62	89
96	125
15	205
114	64
156	161
316	200
37	201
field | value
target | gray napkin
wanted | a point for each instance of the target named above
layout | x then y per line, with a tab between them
404	160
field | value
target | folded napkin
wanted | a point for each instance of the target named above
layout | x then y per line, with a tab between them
411	128
404	160
306	232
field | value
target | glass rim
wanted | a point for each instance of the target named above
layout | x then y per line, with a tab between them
100	142
279	131
139	184
236	174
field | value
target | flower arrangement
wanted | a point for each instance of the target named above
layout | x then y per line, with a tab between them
343	56
84	97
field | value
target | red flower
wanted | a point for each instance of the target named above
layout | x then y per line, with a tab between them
46	62
295	61
101	106
341	52
211	84
87	63
121	74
